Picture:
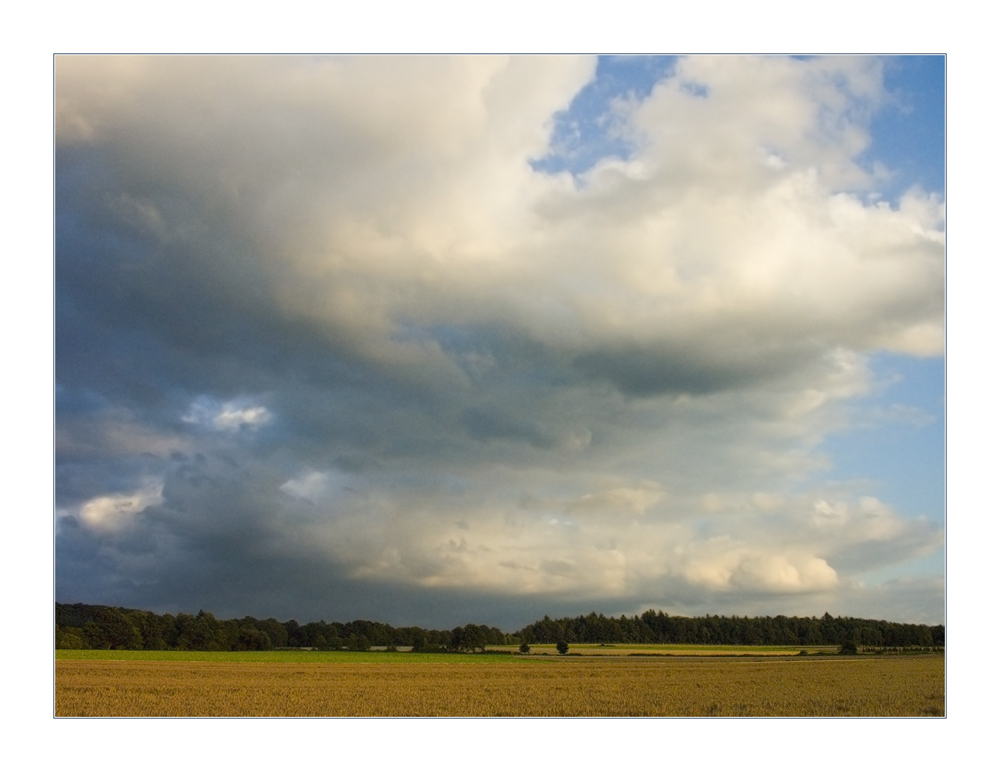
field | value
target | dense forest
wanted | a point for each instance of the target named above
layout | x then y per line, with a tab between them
80	626
101	627
657	627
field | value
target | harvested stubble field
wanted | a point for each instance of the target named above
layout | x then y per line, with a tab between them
821	686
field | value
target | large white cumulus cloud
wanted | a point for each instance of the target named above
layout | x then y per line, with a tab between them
475	375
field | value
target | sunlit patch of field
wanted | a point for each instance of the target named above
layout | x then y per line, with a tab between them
675	649
502	653
288	656
557	686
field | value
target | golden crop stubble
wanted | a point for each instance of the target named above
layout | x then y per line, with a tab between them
565	687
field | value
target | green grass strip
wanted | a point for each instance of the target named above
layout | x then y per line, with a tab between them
346	657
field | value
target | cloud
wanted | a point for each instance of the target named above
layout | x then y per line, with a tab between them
114	512
331	304
228	416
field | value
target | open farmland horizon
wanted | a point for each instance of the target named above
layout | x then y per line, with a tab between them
81	626
122	662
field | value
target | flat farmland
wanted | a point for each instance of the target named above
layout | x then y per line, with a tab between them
536	686
672	649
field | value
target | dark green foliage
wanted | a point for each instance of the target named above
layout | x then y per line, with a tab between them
657	627
104	627
251	639
562	647
111	629
80	626
358	643
70	638
524	648
477	638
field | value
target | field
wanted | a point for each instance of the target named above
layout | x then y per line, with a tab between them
673	649
379	684
283	656
498	654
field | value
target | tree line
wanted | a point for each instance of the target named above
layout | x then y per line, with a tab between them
80	626
657	627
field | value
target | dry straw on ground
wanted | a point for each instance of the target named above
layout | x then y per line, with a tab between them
869	686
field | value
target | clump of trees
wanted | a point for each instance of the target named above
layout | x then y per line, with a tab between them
477	638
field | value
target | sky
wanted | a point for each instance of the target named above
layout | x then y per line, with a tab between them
440	340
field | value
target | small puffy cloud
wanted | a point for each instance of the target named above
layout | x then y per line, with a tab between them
308	486
116	511
228	416
318	487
